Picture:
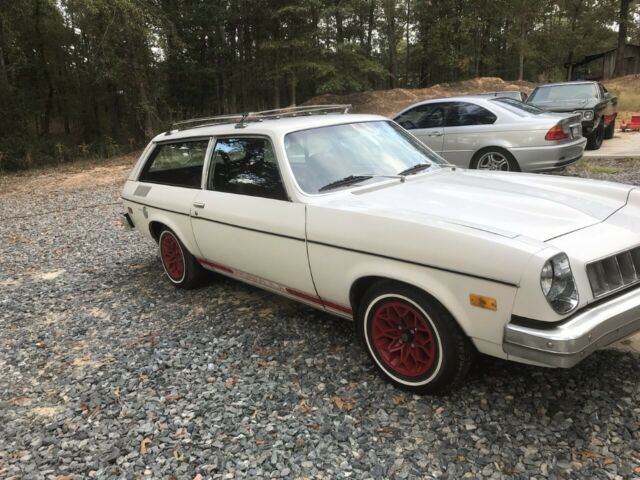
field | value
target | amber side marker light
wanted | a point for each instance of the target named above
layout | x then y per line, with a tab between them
483	302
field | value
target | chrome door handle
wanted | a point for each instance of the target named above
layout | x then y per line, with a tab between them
198	204
436	134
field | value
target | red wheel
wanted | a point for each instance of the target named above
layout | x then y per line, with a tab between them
412	339
172	256
403	338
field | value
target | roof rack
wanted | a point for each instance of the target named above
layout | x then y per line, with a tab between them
241	119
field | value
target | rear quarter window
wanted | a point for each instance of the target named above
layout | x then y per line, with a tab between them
179	164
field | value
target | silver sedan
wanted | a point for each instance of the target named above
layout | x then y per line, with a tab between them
495	133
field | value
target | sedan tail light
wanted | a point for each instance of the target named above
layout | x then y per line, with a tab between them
556	133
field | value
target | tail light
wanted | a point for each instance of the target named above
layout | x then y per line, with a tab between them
556	133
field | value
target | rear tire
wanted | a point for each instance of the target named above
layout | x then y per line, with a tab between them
594	141
494	159
610	131
182	269
412	340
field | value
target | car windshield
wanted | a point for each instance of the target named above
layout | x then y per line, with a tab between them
517	107
571	91
356	152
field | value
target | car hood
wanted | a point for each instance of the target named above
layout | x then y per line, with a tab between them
564	105
537	206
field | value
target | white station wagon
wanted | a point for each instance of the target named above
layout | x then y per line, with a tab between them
352	215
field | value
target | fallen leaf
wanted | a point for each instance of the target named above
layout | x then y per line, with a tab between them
589	454
230	382
172	397
342	403
143	445
398	399
636	469
304	407
178	457
197	477
608	461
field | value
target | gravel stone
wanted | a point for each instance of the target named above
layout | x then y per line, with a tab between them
107	371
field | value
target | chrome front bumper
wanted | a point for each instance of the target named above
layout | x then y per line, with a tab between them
565	345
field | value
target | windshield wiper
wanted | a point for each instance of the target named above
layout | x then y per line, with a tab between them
418	167
345	181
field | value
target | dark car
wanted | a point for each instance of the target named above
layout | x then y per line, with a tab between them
591	100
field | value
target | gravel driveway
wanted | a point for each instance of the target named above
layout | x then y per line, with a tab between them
107	371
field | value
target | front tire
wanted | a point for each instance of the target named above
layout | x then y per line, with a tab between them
412	340
594	141
182	269
610	131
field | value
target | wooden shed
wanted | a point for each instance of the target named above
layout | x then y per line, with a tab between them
601	66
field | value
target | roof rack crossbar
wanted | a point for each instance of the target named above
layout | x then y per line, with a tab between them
241	119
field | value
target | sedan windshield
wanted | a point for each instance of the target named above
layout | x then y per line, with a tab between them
571	91
353	154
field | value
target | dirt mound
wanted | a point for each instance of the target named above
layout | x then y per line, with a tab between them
388	102
628	83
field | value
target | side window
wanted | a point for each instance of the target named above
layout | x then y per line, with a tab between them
246	166
423	116
463	114
603	90
178	164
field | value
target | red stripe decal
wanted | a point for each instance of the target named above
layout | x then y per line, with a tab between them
304	296
319	301
217	266
338	307
291	291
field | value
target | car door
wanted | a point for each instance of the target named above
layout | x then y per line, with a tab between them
467	126
426	122
244	223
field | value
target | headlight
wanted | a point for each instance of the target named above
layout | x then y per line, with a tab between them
588	115
558	286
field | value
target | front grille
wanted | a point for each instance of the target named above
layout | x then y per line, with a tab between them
615	272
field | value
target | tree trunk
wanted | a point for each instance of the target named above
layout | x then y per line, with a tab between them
390	20
339	26
371	26
406	66
523	35
622	37
140	79
293	84
48	107
574	26
276	92
4	78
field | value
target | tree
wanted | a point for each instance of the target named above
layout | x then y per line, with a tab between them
623	19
